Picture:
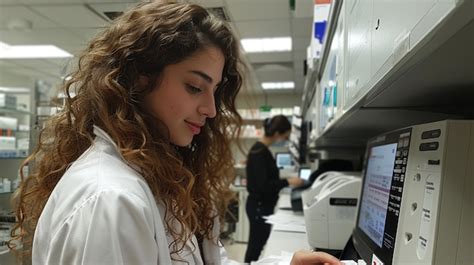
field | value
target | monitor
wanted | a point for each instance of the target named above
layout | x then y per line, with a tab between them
376	228
283	160
304	173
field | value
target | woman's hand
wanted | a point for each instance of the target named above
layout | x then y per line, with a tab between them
295	181
306	257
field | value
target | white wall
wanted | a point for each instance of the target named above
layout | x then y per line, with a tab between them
15	80
247	101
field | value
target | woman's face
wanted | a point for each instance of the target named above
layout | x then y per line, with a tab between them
282	138
184	96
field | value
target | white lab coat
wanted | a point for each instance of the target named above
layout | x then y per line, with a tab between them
103	212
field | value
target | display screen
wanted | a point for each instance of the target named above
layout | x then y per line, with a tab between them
283	160
376	193
382	191
305	173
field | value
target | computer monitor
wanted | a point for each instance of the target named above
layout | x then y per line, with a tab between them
283	160
379	210
304	173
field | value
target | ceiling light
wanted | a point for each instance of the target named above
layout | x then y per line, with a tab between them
267	44
278	85
14	90
31	51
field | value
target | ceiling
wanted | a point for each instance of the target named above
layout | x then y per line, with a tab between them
69	24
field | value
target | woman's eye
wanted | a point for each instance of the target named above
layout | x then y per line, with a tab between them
193	89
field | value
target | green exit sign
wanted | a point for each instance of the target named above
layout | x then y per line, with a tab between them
265	108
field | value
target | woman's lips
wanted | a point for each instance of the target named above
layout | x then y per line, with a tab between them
195	128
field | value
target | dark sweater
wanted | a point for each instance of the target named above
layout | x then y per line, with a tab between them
263	176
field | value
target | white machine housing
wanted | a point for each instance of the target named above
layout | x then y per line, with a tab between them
435	224
443	190
330	209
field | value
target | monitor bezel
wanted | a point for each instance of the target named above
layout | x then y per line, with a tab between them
304	168
364	245
283	153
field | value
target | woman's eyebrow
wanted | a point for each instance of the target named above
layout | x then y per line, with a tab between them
203	75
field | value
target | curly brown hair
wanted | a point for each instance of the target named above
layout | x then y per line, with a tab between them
192	182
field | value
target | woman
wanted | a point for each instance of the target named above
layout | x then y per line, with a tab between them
264	183
136	169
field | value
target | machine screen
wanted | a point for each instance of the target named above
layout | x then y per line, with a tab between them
382	191
305	173
283	160
376	193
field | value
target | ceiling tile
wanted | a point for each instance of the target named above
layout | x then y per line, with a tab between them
8	2
273	67
6	63
111	1
86	33
270	57
261	10
264	28
33	63
49	2
56	37
71	16
14	17
275	76
210	3
100	8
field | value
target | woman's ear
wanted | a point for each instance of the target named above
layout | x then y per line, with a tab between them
143	80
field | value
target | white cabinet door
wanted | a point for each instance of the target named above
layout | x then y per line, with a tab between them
340	41
432	18
392	22
359	22
325	94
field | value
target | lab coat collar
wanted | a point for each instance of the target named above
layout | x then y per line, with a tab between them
103	135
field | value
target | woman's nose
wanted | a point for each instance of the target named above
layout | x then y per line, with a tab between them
208	107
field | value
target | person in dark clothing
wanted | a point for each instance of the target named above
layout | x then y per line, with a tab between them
264	184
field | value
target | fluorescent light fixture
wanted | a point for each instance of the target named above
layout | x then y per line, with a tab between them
14	90
281	44
31	51
278	85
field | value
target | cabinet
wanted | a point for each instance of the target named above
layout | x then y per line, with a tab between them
359	21
392	36
15	120
20	119
333	78
298	139
405	63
